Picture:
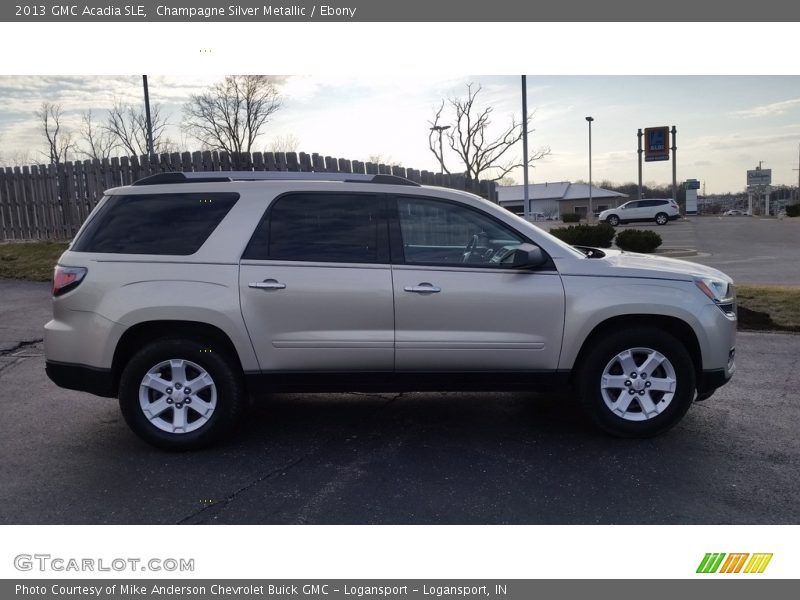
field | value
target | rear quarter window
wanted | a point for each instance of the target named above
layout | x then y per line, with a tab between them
167	224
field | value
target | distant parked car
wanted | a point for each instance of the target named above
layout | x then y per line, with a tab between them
659	210
735	213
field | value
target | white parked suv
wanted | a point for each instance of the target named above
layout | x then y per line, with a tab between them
659	210
183	294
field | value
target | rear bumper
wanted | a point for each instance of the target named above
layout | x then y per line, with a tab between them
99	382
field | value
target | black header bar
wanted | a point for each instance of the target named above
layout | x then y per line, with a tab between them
464	11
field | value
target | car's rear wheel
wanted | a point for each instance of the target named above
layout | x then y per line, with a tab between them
661	219
613	220
637	383
180	394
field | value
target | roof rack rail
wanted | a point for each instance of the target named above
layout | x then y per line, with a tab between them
222	176
177	177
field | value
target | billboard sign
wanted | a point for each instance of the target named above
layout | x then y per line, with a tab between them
758	177
656	144
691	184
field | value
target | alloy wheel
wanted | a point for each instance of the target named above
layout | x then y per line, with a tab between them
638	384
177	396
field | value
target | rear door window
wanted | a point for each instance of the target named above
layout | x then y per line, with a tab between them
321	227
164	224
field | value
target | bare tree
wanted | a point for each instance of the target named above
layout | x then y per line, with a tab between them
59	139
231	114
98	142
128	126
284	143
381	159
481	153
15	158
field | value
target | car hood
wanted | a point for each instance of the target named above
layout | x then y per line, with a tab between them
632	264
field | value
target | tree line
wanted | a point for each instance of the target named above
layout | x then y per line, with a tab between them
228	117
231	115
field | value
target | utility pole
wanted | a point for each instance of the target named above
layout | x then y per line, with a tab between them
147	116
526	196
798	172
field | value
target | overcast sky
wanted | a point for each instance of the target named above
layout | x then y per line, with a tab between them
726	124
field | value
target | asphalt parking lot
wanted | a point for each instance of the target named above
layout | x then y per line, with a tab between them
749	249
396	459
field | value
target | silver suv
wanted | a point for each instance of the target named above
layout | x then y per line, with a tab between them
659	210
183	294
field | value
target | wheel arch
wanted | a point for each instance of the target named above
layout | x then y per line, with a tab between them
674	326
136	336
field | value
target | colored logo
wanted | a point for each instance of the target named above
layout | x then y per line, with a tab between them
741	562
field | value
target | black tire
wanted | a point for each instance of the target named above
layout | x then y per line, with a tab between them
593	364
229	398
613	220
662	219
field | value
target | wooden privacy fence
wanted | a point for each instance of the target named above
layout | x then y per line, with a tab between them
50	202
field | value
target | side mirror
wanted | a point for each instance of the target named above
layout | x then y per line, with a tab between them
528	256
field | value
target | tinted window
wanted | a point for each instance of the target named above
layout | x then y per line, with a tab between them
174	224
319	228
631	205
436	232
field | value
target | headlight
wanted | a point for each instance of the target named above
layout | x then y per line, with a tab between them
721	293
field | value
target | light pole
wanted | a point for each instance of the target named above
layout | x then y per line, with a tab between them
590	215
440	129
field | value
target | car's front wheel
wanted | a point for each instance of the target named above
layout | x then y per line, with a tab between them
661	219
637	383
613	220
180	394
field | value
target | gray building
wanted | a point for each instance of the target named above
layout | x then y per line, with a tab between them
558	198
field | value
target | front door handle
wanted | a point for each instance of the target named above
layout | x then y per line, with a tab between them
423	288
267	284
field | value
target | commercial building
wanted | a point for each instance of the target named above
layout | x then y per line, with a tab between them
555	199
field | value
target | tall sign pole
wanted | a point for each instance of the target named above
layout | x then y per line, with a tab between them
525	207
674	165
639	135
758	180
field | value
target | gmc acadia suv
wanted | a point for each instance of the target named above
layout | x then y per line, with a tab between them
183	292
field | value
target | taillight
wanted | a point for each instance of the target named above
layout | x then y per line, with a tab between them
66	279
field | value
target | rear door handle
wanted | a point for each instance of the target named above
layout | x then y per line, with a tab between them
423	288
267	284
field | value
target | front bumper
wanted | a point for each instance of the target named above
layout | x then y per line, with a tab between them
710	381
